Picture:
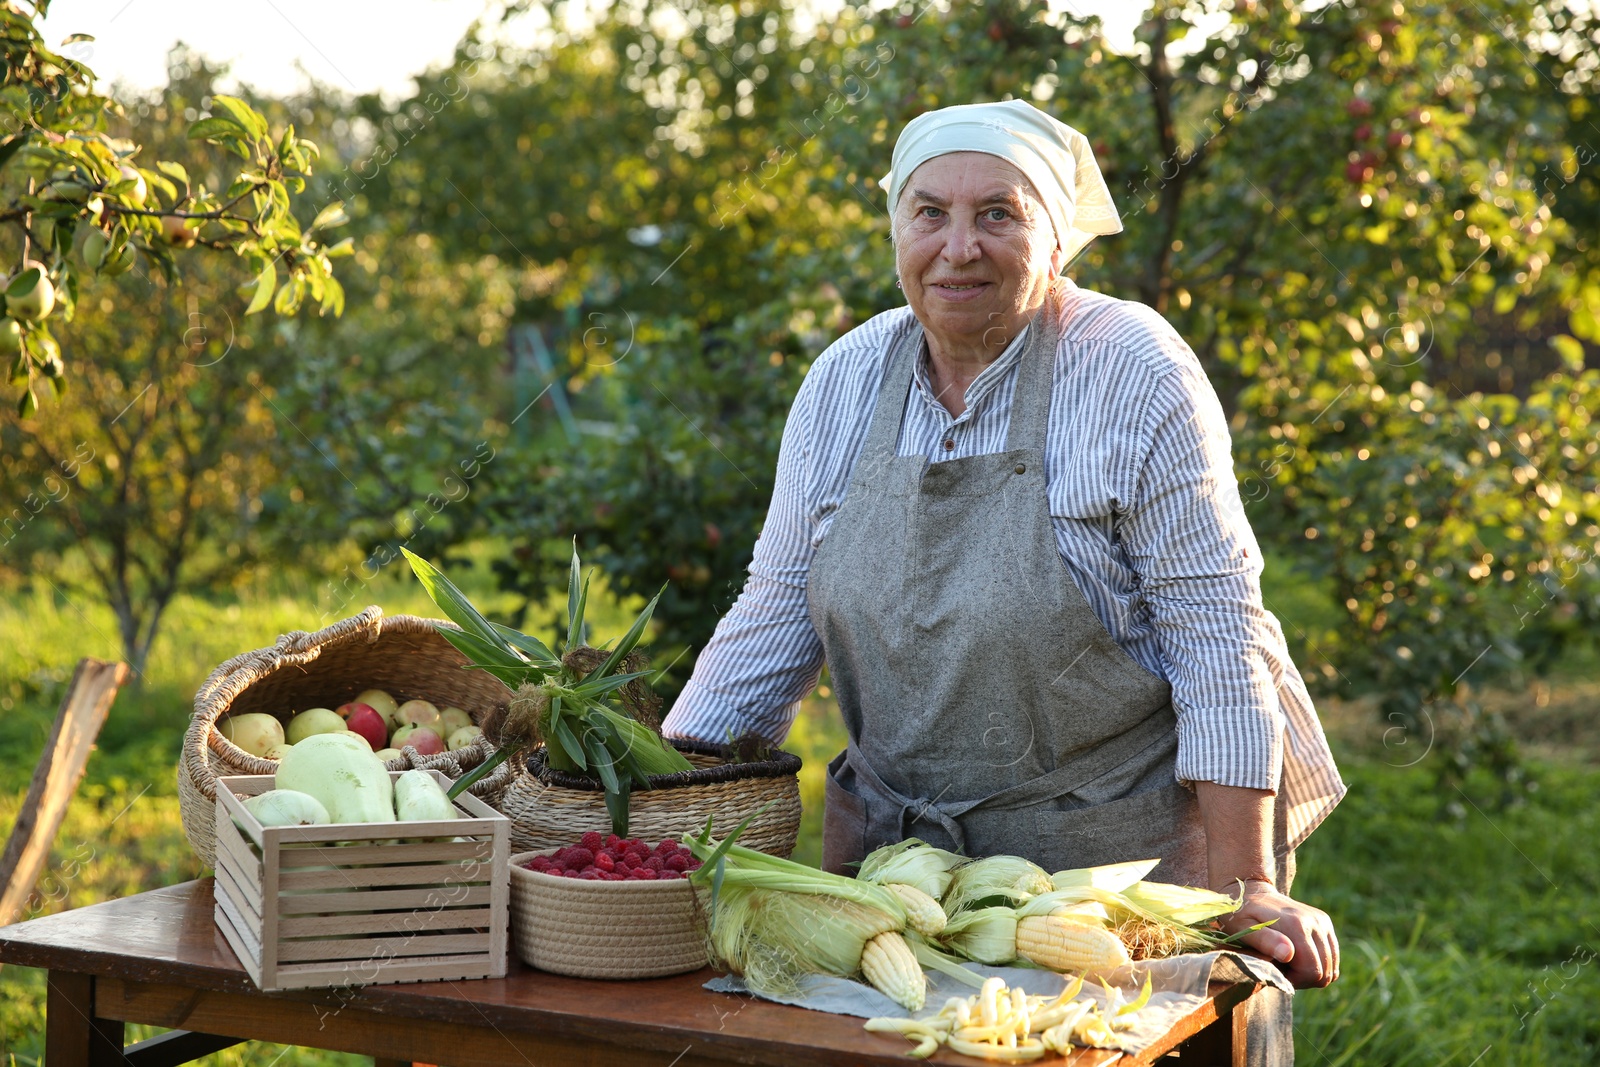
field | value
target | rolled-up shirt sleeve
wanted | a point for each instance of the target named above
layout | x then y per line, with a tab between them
765	655
1199	573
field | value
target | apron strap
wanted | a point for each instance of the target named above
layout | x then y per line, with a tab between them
883	434
1030	405
1067	778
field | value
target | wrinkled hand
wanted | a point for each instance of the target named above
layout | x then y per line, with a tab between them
1302	941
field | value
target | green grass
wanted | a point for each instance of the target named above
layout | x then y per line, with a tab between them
1460	935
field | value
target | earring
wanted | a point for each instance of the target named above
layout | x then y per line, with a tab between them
897	283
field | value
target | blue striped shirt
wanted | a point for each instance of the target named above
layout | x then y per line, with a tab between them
1147	517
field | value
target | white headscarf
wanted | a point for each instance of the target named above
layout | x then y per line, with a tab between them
1056	158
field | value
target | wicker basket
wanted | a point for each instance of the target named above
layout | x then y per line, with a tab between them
402	654
549	808
604	929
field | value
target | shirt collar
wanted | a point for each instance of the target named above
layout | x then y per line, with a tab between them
982	385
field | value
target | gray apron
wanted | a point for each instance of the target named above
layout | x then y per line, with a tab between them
988	709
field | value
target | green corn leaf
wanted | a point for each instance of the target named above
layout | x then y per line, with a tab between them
482	657
595	688
629	639
574	584
575	619
569	743
450	600
531	647
617	805
604	765
501	754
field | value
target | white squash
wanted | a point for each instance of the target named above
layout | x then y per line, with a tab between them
287	807
342	772
418	798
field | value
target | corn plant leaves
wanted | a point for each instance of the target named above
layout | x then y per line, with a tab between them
595	687
568	741
531	647
486	657
456	607
629	639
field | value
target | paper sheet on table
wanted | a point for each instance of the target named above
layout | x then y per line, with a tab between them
1178	986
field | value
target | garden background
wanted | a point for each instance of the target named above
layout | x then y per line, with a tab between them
584	277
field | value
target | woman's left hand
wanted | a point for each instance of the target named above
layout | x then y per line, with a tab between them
1301	940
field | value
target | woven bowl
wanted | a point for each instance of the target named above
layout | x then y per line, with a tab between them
549	808
590	929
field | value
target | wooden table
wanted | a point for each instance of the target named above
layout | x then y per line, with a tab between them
157	958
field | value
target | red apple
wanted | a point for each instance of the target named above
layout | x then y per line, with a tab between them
347	710
1358	107
1363	131
369	724
424	740
1399	139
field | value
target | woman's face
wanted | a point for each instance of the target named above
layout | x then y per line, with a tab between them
974	249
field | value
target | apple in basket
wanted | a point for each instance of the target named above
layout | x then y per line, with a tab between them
369	725
256	732
424	739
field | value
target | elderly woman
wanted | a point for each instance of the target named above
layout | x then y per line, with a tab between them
1006	518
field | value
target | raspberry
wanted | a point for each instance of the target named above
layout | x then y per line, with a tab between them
654	863
644	874
592	841
568	873
605	862
592	875
678	862
630	860
694	864
669	845
613	842
669	873
579	858
538	863
633	843
561	853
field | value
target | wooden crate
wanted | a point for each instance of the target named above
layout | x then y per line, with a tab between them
302	911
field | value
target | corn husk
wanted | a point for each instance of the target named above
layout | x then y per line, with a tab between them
983	935
910	862
1180	903
995	880
772	938
1113	876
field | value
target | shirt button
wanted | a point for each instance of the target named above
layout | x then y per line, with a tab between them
948	445
1021	468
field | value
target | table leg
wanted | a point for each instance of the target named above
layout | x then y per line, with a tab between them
74	1035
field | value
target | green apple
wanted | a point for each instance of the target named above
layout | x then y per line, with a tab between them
140	188
453	719
419	713
463	737
256	732
314	721
29	293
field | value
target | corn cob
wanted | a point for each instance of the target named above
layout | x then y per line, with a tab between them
887	963
1064	945
923	913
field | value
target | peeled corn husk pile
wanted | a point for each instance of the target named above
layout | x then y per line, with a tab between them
1010	1025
